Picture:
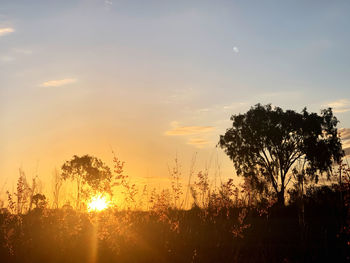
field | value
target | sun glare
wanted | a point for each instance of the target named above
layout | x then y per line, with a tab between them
97	203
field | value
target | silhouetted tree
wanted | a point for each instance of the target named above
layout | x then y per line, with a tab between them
39	200
87	170
267	141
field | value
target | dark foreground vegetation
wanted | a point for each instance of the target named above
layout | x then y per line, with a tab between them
316	230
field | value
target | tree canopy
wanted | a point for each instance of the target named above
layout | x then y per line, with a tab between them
267	141
87	171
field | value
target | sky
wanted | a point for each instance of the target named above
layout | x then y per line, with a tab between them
158	80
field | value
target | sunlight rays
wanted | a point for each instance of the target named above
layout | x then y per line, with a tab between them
98	203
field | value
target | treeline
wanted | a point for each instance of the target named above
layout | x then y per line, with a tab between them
227	224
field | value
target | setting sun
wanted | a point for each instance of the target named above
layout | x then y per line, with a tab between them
174	131
97	203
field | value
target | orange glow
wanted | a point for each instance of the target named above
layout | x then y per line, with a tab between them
98	203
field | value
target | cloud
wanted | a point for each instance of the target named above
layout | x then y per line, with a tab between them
194	134
22	51
7	58
339	106
108	4
235	49
198	142
13	54
58	83
6	30
345	137
347	151
203	110
345	133
189	130
222	108
234	105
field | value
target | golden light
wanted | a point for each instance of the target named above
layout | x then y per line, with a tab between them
98	203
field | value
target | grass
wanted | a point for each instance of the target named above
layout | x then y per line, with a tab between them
226	224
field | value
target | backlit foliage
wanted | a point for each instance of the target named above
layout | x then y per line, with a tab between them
227	223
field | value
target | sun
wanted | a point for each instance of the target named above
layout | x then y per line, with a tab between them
97	203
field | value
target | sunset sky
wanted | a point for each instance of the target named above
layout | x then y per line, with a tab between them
156	79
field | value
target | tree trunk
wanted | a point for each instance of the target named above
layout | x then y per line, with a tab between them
280	197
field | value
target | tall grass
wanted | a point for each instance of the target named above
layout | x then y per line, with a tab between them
202	222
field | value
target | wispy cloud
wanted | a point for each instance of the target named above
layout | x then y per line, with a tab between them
196	135
13	54
22	51
342	105
345	137
234	105
58	83
7	58
345	133
189	130
108	2
198	142
222	108
6	30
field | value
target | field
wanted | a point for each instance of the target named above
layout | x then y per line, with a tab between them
224	228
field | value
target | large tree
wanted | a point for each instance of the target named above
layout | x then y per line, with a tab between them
267	142
89	173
